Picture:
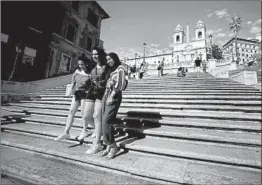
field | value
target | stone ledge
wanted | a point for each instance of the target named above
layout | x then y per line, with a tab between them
245	77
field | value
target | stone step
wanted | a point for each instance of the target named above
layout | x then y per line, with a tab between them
172	96
181	92
45	169
168	169
194	150
164	92
193	85
220	153
174	122
207	135
177	106
143	88
147	112
67	101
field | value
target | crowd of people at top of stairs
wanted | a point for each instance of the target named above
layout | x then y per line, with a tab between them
97	86
134	72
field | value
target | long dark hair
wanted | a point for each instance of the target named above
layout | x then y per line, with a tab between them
101	55
109	69
87	62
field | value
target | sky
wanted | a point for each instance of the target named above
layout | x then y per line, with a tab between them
133	23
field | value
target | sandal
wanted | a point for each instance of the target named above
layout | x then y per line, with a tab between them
112	152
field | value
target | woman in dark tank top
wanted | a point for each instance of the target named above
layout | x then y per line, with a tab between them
93	104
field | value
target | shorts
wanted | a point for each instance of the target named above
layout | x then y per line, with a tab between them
198	68
93	97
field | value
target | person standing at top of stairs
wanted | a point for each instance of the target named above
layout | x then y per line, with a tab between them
81	80
116	83
197	66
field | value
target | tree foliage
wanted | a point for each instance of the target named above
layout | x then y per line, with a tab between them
235	25
216	52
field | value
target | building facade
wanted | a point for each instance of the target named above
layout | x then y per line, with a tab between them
246	49
185	51
51	35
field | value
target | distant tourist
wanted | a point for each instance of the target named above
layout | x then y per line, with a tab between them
81	81
197	66
159	69
133	71
204	65
181	72
142	69
162	68
116	83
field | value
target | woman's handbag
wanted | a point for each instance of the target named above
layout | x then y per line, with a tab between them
69	90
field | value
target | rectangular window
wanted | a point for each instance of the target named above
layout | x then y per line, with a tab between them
89	44
92	17
70	34
64	63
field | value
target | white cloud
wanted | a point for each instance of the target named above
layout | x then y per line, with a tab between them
218	13
255	30
215	32
210	13
154	45
249	38
222	13
257	22
220	35
249	22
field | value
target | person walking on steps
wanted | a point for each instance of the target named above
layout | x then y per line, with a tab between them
81	81
197	66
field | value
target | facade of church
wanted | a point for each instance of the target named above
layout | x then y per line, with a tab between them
185	51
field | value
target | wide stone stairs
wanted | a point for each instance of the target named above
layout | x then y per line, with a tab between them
189	130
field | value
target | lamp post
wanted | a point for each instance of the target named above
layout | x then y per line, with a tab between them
18	49
135	58
144	60
210	39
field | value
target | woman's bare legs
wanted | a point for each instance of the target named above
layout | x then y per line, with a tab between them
70	119
87	116
96	147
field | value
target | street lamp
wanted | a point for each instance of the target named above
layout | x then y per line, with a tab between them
18	49
135	58
210	39
144	52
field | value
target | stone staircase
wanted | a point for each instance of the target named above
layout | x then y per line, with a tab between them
176	130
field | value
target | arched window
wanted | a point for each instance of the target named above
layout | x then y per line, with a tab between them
177	38
199	35
71	30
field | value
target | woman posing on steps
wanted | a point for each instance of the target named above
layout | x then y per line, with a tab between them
81	80
116	83
93	104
